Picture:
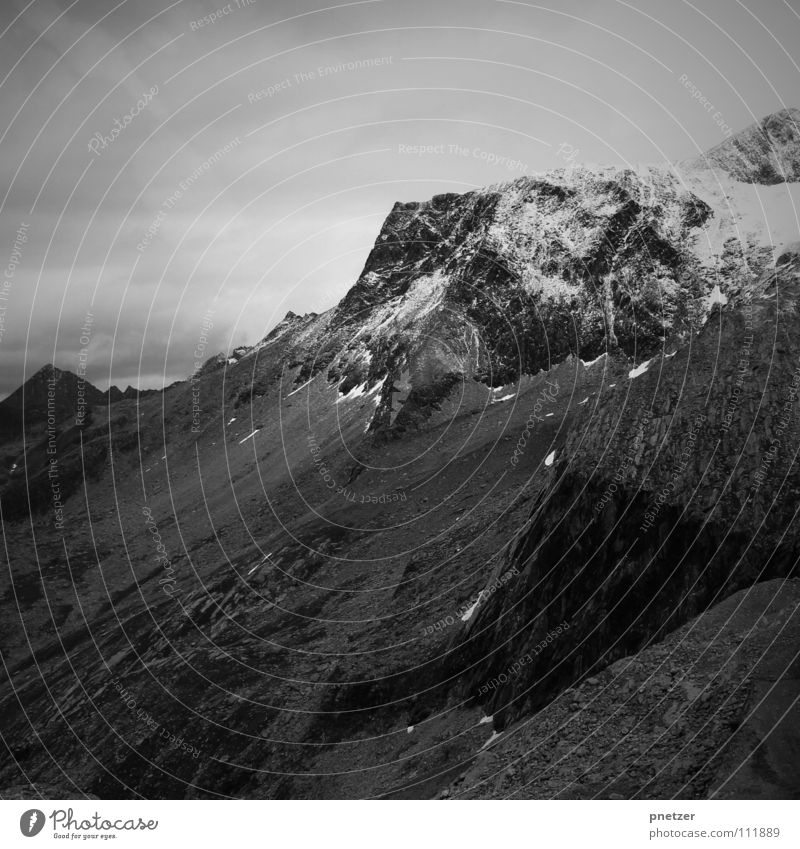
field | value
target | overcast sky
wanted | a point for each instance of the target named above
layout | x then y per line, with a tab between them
295	169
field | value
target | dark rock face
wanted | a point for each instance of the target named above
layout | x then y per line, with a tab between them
767	152
661	504
677	720
497	284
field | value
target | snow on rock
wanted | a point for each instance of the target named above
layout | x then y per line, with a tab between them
300	387
249	435
716	297
467	615
355	392
592	362
376	389
495	735
548	460
486	720
639	370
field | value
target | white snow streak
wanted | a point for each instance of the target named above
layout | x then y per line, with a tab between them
299	388
495	735
592	362
639	370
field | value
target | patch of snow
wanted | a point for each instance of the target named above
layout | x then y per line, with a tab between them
592	362
504	398
584	401
409	729
231	421
299	388
716	297
548	414
639	370
260	563
670	356
355	392
249	435
377	387
467	615
611	385
13	467
232	361
485	720
548	460
495	735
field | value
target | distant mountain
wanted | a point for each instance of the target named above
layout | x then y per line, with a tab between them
50	391
56	395
767	152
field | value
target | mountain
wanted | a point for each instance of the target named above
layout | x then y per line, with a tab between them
671	492
55	394
767	152
50	411
546	440
50	392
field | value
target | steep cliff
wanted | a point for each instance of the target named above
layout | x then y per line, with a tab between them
673	490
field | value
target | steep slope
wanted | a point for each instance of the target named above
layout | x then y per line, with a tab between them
673	491
710	712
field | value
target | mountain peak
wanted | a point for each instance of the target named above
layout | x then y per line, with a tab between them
49	371
766	152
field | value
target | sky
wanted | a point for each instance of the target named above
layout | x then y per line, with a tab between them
170	166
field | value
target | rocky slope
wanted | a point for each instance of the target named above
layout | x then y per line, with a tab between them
672	490
551	423
710	712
